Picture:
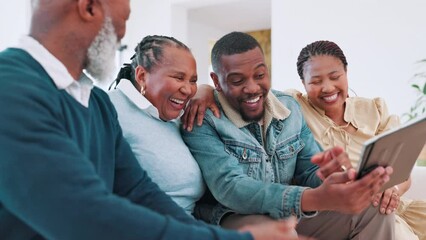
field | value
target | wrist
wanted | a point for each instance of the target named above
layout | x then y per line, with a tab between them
309	200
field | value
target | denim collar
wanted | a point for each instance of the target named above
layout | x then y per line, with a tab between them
273	109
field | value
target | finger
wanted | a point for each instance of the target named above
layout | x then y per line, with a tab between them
185	115
343	159
393	203
337	150
200	115
183	119
386	198
288	223
288	228
373	181
376	199
339	177
389	170
393	200
191	116
326	171
318	158
330	167
215	109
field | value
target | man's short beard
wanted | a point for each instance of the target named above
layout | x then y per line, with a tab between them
256	118
101	53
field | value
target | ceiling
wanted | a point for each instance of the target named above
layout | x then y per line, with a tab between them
229	15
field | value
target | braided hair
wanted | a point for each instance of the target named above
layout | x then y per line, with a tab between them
148	54
319	48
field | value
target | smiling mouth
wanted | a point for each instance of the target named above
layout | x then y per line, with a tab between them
177	101
253	100
331	98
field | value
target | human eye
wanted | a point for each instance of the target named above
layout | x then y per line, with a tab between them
315	82
237	80
193	80
178	77
260	75
335	77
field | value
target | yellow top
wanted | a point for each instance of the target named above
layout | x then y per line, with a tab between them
369	117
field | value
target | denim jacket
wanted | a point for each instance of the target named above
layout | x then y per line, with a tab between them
248	174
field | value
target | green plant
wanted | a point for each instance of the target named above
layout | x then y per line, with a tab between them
419	106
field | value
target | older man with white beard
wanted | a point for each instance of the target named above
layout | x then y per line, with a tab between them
65	170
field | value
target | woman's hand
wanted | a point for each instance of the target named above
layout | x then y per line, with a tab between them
387	200
198	105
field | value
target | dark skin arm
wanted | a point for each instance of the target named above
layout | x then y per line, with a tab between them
198	105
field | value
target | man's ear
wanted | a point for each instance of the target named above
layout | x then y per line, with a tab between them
89	9
215	79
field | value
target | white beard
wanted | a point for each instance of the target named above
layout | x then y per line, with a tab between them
101	53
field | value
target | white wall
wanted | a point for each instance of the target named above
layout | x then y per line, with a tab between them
200	36
382	40
14	21
147	18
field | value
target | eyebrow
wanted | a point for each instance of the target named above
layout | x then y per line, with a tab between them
172	72
238	73
332	72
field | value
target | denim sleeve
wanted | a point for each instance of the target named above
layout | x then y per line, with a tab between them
230	185
305	173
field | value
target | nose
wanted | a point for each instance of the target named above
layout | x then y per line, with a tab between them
327	86
186	89
251	86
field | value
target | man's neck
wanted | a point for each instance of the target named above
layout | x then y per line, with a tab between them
71	58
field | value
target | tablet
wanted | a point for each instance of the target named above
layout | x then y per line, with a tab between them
398	148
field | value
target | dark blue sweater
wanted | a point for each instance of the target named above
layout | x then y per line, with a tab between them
67	173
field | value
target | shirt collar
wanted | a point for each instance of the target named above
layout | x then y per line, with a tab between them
127	88
273	109
80	90
348	114
56	70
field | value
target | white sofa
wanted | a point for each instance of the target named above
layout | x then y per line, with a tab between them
418	182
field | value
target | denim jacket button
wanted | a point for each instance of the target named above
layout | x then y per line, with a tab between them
244	154
291	149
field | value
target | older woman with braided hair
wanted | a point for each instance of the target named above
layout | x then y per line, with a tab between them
150	94
337	119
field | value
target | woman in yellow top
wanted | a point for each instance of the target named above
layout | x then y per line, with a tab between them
337	119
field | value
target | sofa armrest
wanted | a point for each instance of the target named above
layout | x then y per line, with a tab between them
418	179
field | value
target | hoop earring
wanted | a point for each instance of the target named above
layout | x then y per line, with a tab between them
143	90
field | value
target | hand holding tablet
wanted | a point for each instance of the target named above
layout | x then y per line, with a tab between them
398	148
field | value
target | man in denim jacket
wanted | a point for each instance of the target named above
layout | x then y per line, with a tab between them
256	158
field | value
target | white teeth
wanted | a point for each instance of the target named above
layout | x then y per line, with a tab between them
253	100
178	101
330	98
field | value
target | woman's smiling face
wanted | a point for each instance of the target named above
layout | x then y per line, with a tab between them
172	82
325	82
